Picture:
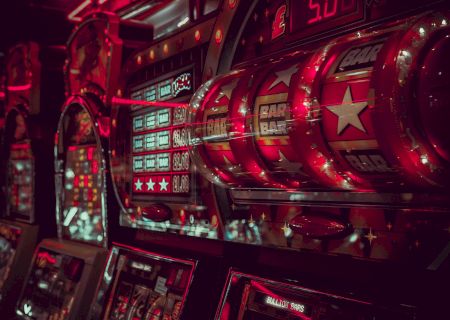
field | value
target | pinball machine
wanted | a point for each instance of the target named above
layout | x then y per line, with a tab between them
64	272
33	94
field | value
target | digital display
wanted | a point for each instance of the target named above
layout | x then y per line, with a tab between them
82	210
160	156
147	287
315	16
51	286
21	180
9	240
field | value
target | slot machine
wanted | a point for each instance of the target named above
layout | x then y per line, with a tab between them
34	92
163	211
64	272
323	132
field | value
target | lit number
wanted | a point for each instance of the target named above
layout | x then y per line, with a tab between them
327	12
181	161
179	138
180	184
279	25
329	8
315	7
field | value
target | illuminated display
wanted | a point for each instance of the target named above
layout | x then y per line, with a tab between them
314	16
9	240
249	297
80	177
145	286
21	180
160	157
51	286
82	215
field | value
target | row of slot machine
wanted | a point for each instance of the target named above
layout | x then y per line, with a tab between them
263	159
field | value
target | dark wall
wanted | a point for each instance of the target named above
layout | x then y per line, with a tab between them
25	20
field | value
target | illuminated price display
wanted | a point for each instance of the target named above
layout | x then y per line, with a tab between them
181	161
160	159
180	138
314	16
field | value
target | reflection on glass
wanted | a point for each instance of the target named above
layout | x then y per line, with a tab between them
51	286
140	285
247	297
21	180
82	210
9	239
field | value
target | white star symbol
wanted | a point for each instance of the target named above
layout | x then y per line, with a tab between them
284	76
138	184
348	112
150	185
370	236
163	185
231	167
226	90
291	167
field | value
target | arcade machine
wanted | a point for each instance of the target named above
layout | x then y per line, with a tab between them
325	135
34	93
155	181
64	273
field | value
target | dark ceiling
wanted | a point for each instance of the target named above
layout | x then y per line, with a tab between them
44	21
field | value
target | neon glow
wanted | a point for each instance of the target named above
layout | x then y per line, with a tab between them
313	16
19	88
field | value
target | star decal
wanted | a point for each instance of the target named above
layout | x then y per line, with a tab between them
231	167
226	90
291	167
138	185
348	112
370	236
163	185
284	76
150	185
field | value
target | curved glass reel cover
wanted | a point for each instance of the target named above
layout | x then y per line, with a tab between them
142	285
20	175
248	297
339	126
343	117
80	175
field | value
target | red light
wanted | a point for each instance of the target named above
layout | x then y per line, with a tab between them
324	9
197	35
19	88
160	104
232	3
218	36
